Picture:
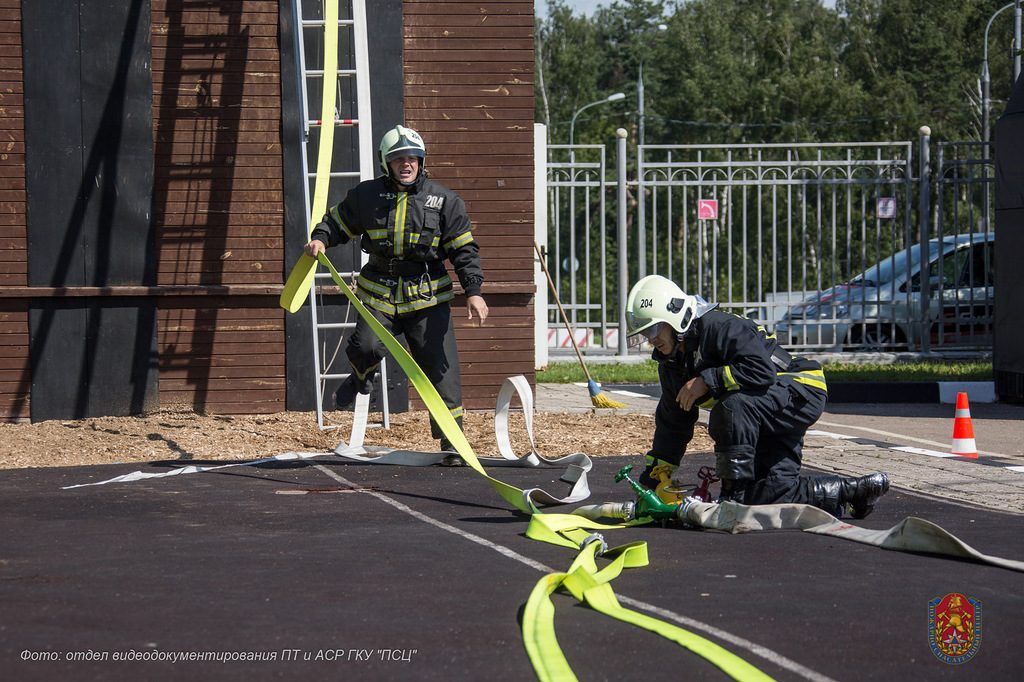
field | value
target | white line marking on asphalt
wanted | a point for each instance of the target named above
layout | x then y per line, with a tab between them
631	394
756	649
1018	469
922	451
901	448
500	549
900	436
883	433
829	434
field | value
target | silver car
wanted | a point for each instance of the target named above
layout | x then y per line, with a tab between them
880	309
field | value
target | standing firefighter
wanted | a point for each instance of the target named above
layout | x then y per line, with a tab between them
762	402
408	224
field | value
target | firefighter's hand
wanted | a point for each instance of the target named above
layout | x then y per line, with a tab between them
477	303
692	390
314	247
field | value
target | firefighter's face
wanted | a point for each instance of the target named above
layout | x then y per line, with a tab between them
405	168
665	340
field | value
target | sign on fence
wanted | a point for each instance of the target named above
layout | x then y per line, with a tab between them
885	207
707	209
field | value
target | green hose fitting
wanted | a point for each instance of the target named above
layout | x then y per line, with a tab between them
648	505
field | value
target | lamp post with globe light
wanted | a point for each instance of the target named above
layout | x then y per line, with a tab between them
572	125
985	77
640	92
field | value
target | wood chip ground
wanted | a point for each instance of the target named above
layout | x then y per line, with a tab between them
175	434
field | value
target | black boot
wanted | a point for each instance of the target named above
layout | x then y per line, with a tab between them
829	494
841	494
734	490
863	492
452	459
345	396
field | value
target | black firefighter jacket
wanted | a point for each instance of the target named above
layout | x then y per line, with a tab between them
730	353
408	234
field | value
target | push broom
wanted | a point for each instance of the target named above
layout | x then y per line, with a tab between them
598	398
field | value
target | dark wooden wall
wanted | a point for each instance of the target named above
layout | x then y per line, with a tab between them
218	193
469	92
15	376
218	204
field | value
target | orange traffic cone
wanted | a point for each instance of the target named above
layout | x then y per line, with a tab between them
963	429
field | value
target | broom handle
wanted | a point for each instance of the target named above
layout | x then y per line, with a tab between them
554	292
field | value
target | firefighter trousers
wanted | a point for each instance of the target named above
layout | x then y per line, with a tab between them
759	441
430	335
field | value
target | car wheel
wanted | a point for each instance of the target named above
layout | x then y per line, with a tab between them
877	337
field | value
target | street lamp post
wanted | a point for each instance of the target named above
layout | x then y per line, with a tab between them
640	94
572	194
572	125
986	89
985	77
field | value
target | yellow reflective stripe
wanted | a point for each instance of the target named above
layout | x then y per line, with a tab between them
370	285
401	207
812	377
460	240
362	375
652	461
341	223
730	382
414	238
811	382
372	301
386	306
377	234
410	306
456	411
435	284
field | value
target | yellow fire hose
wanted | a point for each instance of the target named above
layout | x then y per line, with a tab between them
583	579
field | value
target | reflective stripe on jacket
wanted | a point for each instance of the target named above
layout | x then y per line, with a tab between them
426	224
730	353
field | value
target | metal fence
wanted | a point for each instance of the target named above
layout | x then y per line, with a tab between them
820	242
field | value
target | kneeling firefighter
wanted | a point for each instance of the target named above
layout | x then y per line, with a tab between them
762	402
409	225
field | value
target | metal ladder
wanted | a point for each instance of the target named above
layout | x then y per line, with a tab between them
354	28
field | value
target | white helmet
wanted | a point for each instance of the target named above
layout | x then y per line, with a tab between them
655	299
401	141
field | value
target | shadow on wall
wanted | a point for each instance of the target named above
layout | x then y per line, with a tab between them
199	124
74	364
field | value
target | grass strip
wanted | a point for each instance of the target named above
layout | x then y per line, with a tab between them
647	372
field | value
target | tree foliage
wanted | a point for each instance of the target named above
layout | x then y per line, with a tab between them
725	71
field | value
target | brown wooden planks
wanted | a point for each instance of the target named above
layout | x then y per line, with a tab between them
221	356
469	91
15	370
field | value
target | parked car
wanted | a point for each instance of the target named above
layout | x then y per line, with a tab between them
880	308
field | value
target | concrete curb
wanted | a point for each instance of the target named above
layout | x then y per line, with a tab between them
910	391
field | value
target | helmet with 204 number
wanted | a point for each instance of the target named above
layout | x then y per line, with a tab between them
656	299
401	141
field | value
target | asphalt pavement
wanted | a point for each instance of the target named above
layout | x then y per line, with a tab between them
321	569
